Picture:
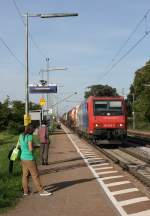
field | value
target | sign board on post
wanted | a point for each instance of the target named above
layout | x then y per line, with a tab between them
35	115
44	89
27	119
42	101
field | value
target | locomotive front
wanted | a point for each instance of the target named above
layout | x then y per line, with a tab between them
107	118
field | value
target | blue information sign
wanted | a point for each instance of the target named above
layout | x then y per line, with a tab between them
37	89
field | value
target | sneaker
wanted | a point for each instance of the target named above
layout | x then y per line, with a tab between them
25	194
45	193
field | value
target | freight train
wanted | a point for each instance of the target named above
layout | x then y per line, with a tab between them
102	119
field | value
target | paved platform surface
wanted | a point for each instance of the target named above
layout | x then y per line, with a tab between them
75	189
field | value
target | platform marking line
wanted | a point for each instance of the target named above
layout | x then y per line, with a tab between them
107	172
134	200
129	190
142	213
89	152
95	158
112	177
88	155
85	149
117	183
94	161
101	164
91	156
103	168
109	194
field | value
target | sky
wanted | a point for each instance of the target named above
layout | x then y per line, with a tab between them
86	45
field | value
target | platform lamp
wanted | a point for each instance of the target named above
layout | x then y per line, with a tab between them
27	118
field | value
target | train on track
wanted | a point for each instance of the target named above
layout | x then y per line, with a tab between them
101	119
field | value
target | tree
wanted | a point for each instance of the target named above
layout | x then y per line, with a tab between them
12	113
100	90
5	113
141	94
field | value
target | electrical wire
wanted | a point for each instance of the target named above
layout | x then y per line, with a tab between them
131	35
11	52
122	57
30	35
130	49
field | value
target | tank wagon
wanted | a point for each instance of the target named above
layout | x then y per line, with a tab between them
100	118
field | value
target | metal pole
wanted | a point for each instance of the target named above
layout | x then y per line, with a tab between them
133	113
27	70
47	61
57	108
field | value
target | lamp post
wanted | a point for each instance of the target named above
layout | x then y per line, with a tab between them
27	119
47	61
133	112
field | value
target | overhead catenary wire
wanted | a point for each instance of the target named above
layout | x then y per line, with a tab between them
132	33
11	52
122	57
112	66
30	35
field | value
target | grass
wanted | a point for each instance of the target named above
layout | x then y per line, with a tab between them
10	185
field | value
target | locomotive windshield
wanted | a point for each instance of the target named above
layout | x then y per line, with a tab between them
112	108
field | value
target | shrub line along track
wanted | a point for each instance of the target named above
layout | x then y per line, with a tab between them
133	158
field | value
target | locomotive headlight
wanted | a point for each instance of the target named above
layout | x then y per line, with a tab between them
98	125
120	125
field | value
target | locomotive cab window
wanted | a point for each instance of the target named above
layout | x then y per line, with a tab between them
107	108
115	105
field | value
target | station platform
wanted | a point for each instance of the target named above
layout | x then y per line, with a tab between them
77	189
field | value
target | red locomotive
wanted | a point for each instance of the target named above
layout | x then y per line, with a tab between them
101	118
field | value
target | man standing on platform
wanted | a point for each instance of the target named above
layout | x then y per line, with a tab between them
44	140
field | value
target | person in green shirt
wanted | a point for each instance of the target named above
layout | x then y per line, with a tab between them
29	166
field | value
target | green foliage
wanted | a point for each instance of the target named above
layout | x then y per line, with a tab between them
100	90
15	127
5	113
10	186
11	115
139	96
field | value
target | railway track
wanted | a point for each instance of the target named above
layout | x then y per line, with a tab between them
138	139
136	160
133	156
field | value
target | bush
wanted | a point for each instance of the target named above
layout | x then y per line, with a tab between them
10	185
15	127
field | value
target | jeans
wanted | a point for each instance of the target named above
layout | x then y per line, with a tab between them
44	147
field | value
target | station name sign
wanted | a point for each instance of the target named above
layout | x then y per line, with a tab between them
37	89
